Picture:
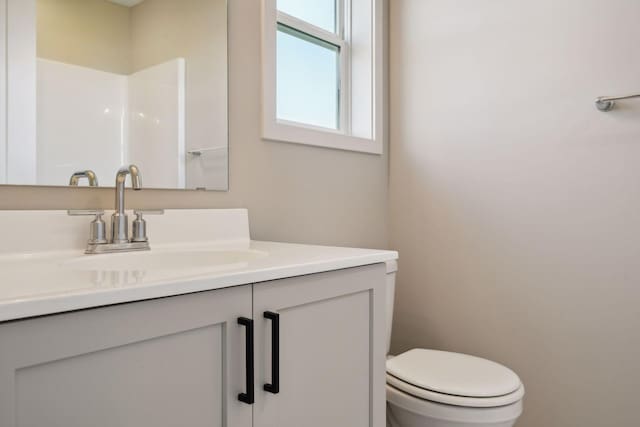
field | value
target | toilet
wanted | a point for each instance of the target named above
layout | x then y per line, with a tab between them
430	388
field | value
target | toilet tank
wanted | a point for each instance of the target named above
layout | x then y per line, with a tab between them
392	267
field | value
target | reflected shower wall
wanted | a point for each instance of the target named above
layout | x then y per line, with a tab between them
91	119
156	123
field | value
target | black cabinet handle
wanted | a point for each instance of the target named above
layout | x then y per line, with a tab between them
248	397
274	387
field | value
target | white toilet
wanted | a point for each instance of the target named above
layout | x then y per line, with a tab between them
429	388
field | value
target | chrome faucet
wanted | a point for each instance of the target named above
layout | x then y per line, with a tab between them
119	219
89	174
120	240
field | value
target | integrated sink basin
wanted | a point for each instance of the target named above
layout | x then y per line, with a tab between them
46	271
183	259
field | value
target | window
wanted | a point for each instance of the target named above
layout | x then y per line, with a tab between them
322	73
308	69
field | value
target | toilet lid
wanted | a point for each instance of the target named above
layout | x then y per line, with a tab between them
453	374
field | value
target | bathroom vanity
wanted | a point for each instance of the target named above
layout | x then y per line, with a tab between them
208	328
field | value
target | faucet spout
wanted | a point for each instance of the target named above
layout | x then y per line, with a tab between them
121	176
119	220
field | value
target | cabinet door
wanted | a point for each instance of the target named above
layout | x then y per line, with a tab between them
332	349
168	362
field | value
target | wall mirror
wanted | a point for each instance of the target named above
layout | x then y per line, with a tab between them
96	84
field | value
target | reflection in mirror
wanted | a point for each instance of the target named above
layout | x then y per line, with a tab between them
125	81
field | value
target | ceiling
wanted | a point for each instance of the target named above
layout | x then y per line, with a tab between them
128	3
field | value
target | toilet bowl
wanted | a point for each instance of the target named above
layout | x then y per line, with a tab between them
430	388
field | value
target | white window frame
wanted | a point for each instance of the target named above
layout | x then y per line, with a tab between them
299	133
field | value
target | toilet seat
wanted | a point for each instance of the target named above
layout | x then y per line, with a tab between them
439	411
454	379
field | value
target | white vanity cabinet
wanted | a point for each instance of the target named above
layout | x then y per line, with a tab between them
160	363
331	350
185	360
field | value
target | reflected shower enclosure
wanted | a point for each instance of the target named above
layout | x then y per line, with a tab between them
116	82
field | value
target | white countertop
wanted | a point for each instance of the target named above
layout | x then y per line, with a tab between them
46	282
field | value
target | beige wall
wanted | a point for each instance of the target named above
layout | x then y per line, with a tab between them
515	205
293	192
165	29
90	33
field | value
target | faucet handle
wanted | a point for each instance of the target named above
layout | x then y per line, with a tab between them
97	228
140	225
140	212
85	212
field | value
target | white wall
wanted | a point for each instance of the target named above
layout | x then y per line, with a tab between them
19	131
90	119
515	205
156	123
81	114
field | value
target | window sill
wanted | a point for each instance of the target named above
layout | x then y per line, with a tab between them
300	134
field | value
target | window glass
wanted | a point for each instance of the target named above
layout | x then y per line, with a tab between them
307	79
321	13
